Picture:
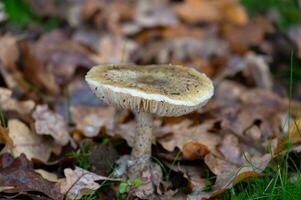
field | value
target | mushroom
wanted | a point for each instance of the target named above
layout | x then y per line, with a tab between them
150	90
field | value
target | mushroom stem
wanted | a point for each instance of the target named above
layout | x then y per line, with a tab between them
141	152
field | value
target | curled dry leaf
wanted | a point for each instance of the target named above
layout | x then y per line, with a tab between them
18	176
7	103
26	142
79	182
90	120
258	70
49	123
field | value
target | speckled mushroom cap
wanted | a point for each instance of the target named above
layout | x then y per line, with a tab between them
163	90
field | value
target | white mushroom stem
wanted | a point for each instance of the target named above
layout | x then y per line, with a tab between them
141	152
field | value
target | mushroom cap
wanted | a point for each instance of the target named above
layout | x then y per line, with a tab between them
163	90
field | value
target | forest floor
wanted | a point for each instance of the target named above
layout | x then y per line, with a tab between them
58	141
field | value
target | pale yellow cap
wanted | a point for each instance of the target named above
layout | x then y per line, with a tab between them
163	90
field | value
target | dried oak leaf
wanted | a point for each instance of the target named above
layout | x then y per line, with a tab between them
193	174
189	139
242	37
47	175
90	119
258	71
106	14
113	49
156	13
181	49
53	59
7	103
18	176
195	11
47	122
229	173
9	55
254	68
26	142
79	182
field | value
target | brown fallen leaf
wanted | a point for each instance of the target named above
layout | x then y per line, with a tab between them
228	92
242	37
181	50
194	11
258	71
126	131
113	49
26	142
7	103
89	120
52	60
4	138
154	14
18	176
47	122
9	53
103	15
228	174
293	137
47	175
79	182
192	174
178	135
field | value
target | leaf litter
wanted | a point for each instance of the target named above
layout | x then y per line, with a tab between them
50	111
